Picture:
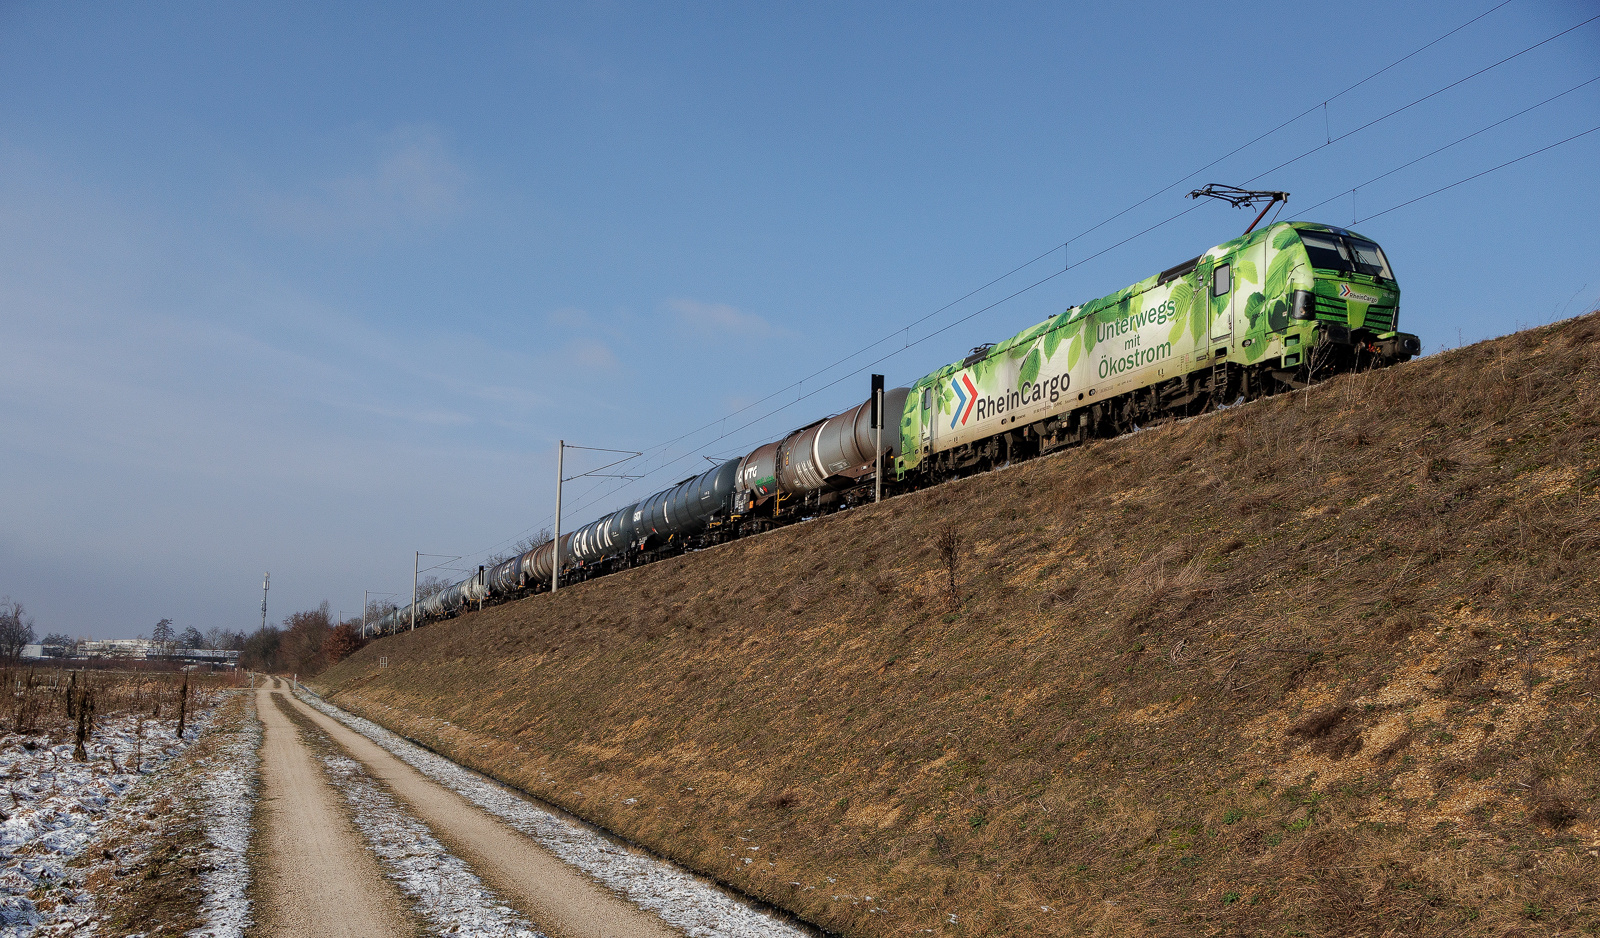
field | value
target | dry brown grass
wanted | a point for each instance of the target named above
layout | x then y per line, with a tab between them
1325	664
146	868
44	699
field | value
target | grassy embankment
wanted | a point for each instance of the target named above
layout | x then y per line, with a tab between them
1324	664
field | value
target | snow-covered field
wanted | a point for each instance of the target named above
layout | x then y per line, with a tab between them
53	807
443	889
227	786
680	898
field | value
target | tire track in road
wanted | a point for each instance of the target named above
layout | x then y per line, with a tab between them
561	900
317	879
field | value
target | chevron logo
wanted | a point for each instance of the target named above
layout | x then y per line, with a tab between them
964	401
1358	296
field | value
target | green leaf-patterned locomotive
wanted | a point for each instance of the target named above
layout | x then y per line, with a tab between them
1267	311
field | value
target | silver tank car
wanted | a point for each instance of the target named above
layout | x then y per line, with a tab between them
797	463
536	563
758	472
476	588
687	507
838	448
830	453
505	577
845	443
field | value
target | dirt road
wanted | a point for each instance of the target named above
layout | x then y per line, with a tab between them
317	879
558	899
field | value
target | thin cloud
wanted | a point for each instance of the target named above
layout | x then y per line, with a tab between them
591	354
569	317
720	317
411	182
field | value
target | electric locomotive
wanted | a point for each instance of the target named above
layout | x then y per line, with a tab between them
1270	311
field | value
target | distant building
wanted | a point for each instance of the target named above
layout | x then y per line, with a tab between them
132	648
203	655
116	648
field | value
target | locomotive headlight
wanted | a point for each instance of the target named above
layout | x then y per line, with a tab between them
1302	306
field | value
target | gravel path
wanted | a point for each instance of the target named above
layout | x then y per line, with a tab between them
561	900
318	880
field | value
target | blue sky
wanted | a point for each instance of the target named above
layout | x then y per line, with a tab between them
305	287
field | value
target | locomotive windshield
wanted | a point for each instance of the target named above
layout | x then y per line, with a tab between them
1329	251
1369	258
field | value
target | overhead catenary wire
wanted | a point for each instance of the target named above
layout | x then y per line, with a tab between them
1429	95
1455	142
1310	110
904	330
1092	228
1159	224
1478	175
1066	266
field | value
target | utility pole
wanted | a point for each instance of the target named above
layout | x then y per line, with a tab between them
555	545
366	598
877	450
266	582
416	563
561	453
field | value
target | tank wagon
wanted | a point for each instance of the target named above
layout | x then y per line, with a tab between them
1273	310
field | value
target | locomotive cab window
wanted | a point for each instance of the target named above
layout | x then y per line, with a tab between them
1369	259
1327	252
1345	254
927	398
1222	280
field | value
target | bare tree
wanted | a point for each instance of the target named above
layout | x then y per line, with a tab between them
218	638
429	585
519	548
16	629
377	609
342	642
59	643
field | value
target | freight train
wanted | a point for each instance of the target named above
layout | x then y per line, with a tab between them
1270	311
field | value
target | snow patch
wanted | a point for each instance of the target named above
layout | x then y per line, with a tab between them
444	889
681	899
228	787
53	807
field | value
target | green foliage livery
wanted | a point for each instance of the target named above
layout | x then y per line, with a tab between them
1278	271
1252	309
1030	369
